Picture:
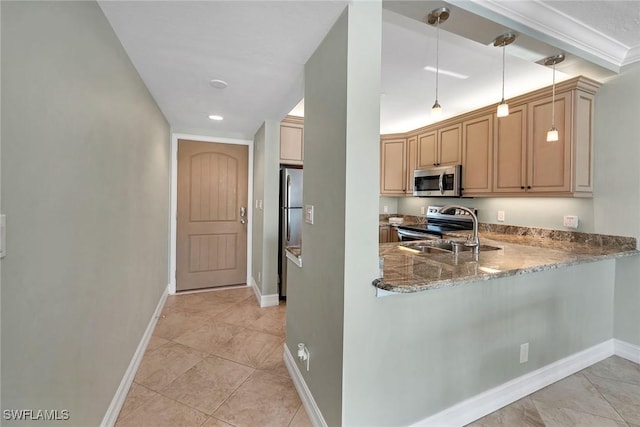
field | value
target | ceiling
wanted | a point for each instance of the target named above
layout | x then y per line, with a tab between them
259	49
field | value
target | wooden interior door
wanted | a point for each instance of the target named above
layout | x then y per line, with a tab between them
212	232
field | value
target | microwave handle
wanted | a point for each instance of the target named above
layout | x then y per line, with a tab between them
441	183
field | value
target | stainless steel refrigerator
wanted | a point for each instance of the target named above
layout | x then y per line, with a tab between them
290	220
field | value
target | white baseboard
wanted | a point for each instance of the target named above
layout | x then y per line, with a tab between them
118	400
264	300
491	400
627	351
315	416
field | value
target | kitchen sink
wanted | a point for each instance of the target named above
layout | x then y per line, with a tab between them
445	246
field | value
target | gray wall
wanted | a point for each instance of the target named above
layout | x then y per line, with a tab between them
340	249
315	292
617	187
423	352
265	220
85	186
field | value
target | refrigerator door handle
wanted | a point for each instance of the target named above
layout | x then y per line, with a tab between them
288	192
288	224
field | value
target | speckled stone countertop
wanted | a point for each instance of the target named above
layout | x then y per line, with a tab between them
522	250
408	219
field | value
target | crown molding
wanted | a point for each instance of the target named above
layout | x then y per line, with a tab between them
542	21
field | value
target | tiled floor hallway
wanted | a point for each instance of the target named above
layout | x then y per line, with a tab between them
215	359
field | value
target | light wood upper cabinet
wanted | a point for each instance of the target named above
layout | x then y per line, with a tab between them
477	155
450	145
549	163
427	151
506	156
440	147
510	151
393	170
412	163
292	140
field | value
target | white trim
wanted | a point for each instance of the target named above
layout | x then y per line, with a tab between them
113	411
627	351
315	416
174	199
264	300
491	400
547	24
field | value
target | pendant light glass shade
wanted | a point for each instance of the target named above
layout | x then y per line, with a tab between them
502	41
552	134
437	16
503	109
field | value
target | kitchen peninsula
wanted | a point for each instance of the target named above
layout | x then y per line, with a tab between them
520	250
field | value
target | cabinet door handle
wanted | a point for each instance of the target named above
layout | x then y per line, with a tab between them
528	187
522	187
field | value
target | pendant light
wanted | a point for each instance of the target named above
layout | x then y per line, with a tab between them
552	134
437	16
502	41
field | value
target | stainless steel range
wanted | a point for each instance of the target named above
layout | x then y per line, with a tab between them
437	224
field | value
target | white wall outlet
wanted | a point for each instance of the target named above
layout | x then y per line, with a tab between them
570	221
524	352
260	204
385	209
308	214
256	203
259	276
422	210
501	216
303	354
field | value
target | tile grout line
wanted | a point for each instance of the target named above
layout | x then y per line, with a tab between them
605	397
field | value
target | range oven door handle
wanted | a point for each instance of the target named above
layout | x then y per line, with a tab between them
415	235
441	183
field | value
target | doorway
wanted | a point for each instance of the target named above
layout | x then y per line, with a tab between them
212	214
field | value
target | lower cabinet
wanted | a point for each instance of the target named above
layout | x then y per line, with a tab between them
388	234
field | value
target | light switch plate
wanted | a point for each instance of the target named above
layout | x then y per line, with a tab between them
308	214
3	236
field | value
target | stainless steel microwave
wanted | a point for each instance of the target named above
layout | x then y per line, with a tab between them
438	181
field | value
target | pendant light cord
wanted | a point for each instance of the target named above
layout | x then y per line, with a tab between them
437	55
553	98
504	45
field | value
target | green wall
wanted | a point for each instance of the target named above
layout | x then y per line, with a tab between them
315	292
265	221
85	186
617	187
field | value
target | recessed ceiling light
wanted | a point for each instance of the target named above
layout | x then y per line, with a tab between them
218	84
216	117
447	73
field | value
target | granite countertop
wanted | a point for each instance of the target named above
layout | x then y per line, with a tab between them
408	220
522	250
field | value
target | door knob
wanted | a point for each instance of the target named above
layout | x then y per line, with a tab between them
243	215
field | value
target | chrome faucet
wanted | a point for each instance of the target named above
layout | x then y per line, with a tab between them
473	242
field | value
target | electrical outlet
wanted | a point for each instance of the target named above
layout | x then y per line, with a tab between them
385	209
570	221
524	352
259	276
260	204
501	216
422	210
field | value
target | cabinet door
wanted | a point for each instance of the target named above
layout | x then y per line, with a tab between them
477	155
427	149
393	167
549	163
291	143
450	145
412	162
384	234
393	235
510	151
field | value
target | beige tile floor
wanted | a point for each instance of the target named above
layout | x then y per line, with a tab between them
605	394
215	360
